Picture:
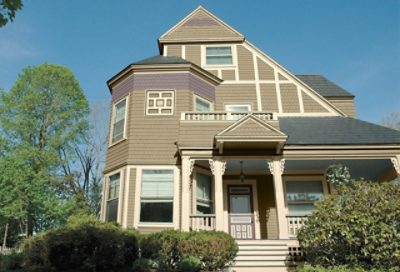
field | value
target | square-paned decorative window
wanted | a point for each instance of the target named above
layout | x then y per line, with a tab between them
160	103
204	202
118	125
202	104
156	199
112	197
301	196
219	55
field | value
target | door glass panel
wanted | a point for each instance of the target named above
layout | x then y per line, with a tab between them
240	204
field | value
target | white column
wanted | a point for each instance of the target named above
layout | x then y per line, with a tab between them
276	168
396	164
218	169
187	168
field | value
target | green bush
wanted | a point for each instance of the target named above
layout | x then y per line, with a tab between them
215	249
11	261
143	265
84	245
359	225
341	268
190	264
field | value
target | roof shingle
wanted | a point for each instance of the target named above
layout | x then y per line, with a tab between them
324	86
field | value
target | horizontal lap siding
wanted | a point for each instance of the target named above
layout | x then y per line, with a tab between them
267	207
290	99
116	155
265	71
268	97
122	89
200	133
174	50
235	94
245	63
228	74
311	105
347	106
192	54
131	197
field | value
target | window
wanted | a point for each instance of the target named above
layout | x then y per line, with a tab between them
112	198
119	121
156	203
202	104
238	108
160	103
219	55
301	196
204	199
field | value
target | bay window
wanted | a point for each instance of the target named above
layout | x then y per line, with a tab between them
301	196
118	124
203	193
112	198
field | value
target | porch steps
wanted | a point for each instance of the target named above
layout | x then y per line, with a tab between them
261	255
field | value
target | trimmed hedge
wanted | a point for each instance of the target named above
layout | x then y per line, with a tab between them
215	250
83	245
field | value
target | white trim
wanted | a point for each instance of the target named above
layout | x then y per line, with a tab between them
183	51
234	47
159	108
257	79
300	96
278	92
119	171
126	197
206	66
121	196
124	136
165	51
256	212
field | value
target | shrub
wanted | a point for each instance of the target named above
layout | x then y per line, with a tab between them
357	225
215	249
341	268
143	265
84	245
11	261
190	264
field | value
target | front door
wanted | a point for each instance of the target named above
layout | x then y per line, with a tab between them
241	217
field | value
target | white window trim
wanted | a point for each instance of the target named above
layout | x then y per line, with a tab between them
203	99
124	137
160	114
138	192
120	194
237	105
301	178
213	66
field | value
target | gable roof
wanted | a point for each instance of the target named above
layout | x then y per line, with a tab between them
201	25
335	130
324	86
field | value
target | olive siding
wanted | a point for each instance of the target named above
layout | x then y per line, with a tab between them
347	106
214	72
281	77
200	134
289	97
265	72
245	63
235	94
269	98
174	50
131	197
228	74
310	105
201	26
267	207
192	54
116	155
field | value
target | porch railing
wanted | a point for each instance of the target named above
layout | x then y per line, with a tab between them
295	223
202	222
224	116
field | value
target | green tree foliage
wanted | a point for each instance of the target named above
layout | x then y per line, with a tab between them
44	112
8	9
358	225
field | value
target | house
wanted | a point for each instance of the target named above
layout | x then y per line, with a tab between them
215	134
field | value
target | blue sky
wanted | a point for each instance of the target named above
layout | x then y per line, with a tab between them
353	43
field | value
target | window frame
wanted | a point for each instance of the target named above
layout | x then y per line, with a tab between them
195	97
113	116
204	56
117	196
147	99
196	198
226	106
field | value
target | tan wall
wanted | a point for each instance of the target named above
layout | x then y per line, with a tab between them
267	207
310	105
269	98
347	106
200	133
245	63
116	156
174	50
235	94
265	72
228	74
131	197
192	54
289	97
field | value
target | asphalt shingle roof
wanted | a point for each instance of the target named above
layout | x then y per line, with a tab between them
324	86
335	131
162	60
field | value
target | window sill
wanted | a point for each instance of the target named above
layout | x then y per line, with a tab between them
117	142
219	66
154	225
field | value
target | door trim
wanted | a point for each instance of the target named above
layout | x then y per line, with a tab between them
253	184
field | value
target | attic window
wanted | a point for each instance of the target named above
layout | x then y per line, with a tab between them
219	55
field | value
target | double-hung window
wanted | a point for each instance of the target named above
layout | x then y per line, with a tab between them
118	126
301	196
156	202
202	104
160	103
219	55
112	197
204	200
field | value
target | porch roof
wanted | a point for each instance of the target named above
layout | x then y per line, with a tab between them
335	130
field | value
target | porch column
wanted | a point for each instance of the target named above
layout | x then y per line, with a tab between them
276	167
396	164
217	167
187	169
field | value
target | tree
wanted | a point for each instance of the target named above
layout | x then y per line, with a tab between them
45	111
8	9
358	225
392	120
